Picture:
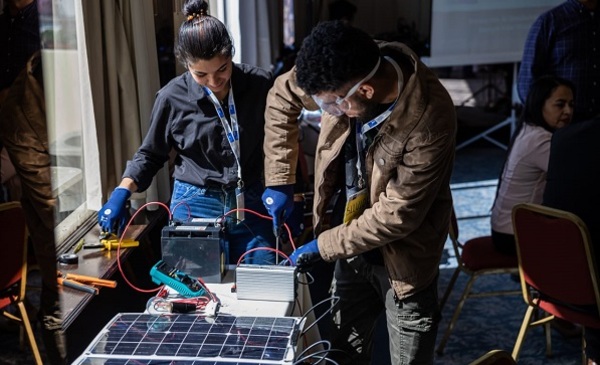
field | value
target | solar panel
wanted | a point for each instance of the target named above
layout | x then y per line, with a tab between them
98	361
139	338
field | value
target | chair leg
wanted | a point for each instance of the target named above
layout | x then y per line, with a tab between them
583	356
461	302
449	288
522	332
548	331
29	331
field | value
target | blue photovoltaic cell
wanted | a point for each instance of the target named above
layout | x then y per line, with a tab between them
136	338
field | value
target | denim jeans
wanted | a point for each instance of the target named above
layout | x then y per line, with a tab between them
364	291
191	201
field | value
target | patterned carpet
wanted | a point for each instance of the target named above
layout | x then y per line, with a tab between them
493	323
488	323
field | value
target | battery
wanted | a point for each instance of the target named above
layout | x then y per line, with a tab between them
198	250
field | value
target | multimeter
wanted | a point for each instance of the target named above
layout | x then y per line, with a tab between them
188	287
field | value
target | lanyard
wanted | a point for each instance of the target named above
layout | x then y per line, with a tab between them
359	154
383	116
231	130
360	132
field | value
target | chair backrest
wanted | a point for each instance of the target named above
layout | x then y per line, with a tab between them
555	255
13	237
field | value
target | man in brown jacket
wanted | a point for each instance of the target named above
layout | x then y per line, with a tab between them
387	140
24	133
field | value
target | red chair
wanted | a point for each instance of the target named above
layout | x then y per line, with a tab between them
475	258
557	269
13	276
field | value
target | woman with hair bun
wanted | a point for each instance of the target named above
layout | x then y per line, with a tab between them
212	117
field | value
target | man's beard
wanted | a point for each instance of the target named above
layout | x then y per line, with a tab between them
370	110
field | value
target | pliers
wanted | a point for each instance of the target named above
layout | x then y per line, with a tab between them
109	241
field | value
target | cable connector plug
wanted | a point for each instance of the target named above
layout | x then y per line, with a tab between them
212	308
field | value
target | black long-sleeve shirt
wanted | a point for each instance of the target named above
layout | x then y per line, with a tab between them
185	119
573	170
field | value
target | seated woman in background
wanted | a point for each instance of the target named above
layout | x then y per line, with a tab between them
549	106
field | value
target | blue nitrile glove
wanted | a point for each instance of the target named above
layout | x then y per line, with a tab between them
114	212
279	201
305	256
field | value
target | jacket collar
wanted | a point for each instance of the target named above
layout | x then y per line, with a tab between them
412	102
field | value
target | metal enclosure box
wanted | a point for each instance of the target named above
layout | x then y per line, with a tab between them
266	282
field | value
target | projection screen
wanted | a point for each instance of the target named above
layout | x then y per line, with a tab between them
472	32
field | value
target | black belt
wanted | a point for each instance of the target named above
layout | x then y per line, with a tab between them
219	186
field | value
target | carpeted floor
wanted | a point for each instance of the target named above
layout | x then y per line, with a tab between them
493	323
488	323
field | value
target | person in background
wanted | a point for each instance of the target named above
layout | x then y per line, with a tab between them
565	42
19	39
217	137
549	106
571	186
386	146
23	133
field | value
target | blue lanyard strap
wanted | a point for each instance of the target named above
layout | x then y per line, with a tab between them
383	116
360	132
232	129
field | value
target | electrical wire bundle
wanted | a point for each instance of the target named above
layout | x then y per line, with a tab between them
168	302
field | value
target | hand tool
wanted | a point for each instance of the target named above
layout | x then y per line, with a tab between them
112	244
83	282
89	280
77	285
79	245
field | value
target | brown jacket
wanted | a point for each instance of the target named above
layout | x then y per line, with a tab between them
24	133
409	166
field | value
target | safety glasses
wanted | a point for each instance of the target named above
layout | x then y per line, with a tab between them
341	105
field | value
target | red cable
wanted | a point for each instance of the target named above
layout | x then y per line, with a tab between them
287	228
119	248
170	216
262	248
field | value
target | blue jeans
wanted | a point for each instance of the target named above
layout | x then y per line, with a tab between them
210	202
364	290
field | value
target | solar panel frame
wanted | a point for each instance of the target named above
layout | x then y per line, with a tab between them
190	339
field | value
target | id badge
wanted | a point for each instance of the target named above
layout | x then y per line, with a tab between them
356	205
239	204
